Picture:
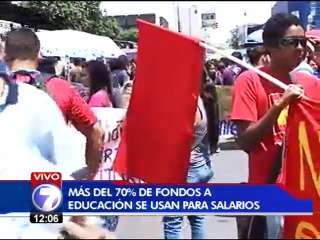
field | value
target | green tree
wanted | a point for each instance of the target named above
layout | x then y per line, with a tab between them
235	38
128	35
77	15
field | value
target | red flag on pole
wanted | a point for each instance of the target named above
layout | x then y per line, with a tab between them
157	136
302	167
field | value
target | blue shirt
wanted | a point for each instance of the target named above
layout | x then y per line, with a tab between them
3	67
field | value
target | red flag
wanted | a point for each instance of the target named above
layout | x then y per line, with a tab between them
156	141
302	167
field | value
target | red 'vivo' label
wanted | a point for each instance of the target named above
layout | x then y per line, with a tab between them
46	177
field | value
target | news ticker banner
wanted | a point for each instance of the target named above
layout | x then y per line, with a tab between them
110	198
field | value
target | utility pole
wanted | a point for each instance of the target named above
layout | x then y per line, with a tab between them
178	16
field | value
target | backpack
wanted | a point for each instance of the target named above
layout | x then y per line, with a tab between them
39	81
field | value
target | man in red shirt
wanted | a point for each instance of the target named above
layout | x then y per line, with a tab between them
259	107
21	54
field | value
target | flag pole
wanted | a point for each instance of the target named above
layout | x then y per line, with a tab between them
246	65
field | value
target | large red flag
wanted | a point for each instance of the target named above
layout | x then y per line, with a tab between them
157	135
302	167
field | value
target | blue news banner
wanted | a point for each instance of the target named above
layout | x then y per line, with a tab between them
103	198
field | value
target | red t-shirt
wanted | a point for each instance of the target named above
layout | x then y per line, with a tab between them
252	97
73	107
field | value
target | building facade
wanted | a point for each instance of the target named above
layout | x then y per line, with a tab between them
129	21
307	11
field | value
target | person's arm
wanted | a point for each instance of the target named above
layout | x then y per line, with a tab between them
250	134
85	122
244	111
126	94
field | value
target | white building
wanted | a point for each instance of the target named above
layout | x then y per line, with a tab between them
197	23
190	22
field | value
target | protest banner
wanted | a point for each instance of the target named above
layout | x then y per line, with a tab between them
111	121
302	167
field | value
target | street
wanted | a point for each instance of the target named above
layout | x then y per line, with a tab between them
230	167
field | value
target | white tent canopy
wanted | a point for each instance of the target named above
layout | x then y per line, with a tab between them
71	43
255	36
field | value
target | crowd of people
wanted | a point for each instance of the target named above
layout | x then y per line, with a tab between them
60	97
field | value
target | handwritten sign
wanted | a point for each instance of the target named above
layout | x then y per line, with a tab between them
111	120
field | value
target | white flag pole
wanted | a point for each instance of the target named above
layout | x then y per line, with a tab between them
246	65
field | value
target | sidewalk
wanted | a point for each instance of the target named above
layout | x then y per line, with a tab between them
229	167
227	142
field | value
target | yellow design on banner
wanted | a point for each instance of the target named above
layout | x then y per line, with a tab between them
305	153
303	225
282	119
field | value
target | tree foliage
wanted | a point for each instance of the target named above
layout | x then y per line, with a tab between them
128	35
77	15
234	38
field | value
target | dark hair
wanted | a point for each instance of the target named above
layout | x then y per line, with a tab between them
276	27
208	65
221	65
100	77
225	61
22	44
208	95
256	53
124	60
47	65
116	64
238	55
77	62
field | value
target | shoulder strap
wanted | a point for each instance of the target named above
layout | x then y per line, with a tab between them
40	80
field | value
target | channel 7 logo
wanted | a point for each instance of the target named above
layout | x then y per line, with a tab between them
46	191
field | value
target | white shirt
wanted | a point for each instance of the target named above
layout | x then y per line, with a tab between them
304	68
32	138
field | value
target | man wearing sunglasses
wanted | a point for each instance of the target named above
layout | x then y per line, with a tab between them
259	111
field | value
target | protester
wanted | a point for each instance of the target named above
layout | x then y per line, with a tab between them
60	68
200	169
225	71
33	139
75	71
3	66
236	69
132	69
213	74
47	65
257	105
21	54
119	67
126	92
305	66
96	76
259	57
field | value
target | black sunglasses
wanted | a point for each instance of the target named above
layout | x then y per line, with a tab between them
294	42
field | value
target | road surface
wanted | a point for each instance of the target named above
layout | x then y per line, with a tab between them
230	167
